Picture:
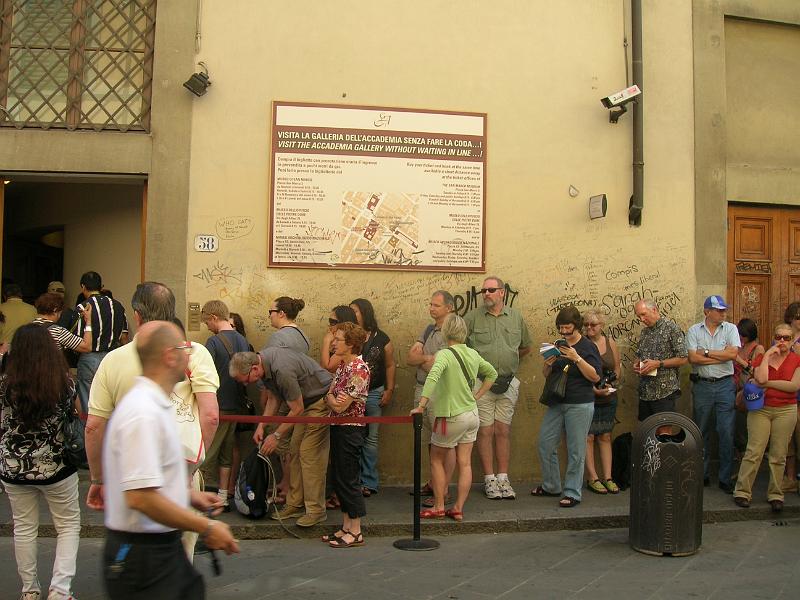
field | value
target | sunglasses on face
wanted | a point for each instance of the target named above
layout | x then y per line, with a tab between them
785	338
186	347
333	322
592	324
489	290
272	310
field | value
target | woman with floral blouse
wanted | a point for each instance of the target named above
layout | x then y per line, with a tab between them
347	398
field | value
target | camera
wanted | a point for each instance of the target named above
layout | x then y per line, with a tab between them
616	102
608	378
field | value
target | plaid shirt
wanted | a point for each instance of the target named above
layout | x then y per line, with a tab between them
662	341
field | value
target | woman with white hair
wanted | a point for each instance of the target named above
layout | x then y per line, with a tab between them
452	377
605	404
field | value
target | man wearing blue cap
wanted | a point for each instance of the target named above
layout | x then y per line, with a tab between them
712	345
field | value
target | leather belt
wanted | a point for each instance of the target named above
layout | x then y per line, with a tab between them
713	379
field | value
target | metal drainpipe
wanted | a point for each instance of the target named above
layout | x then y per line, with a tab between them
637	199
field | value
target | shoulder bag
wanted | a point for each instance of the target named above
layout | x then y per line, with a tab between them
555	387
470	380
72	429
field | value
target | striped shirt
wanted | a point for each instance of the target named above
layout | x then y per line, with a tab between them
108	322
64	339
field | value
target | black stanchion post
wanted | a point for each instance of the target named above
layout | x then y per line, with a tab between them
416	543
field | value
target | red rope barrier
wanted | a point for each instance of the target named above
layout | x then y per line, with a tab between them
329	420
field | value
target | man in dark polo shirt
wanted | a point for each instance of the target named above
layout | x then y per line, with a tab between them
302	383
498	333
109	328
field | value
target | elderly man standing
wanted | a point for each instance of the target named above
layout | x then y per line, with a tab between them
194	397
661	353
713	344
501	337
302	383
421	355
147	498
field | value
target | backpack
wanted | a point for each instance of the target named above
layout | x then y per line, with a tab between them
252	486
621	460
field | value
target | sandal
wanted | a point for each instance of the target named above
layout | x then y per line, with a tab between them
568	502
431	514
358	540
540	491
430	501
777	505
425	490
456	515
332	502
612	487
741	502
333	536
596	486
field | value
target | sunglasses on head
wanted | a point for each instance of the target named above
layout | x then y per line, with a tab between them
490	290
333	322
785	338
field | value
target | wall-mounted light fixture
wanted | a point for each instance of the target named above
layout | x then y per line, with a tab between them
199	82
597	206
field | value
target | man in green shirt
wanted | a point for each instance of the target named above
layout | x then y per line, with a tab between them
501	337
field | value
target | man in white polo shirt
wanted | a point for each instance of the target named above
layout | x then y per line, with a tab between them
713	344
146	493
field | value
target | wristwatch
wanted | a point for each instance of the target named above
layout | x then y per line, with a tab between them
661	364
705	352
277	435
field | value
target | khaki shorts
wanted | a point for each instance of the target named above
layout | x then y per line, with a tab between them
427	415
498	407
452	431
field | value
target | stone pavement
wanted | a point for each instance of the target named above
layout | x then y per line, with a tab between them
744	560
390	514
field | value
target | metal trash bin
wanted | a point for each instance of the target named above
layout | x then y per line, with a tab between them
666	512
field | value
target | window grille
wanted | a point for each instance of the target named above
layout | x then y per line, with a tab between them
76	64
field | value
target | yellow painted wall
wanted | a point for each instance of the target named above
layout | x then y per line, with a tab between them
762	90
538	69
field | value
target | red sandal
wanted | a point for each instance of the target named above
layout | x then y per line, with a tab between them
456	515
431	514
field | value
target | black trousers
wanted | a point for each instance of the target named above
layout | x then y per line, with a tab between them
149	566
346	442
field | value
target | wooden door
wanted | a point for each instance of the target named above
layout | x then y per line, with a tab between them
763	264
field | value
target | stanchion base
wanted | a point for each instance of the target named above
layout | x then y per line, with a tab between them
420	545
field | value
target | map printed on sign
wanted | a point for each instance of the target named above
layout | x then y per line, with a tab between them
385	188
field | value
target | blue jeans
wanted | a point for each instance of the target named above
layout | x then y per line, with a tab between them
716	397
369	451
87	367
575	420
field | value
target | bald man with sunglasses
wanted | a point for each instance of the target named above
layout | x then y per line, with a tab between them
499	334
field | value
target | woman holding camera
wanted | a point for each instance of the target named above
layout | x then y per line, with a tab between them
580	361
605	404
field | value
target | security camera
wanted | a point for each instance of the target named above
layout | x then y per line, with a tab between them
616	102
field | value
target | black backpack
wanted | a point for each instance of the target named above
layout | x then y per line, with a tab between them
252	485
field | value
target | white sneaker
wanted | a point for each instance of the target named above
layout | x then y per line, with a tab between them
506	491
492	489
